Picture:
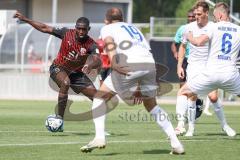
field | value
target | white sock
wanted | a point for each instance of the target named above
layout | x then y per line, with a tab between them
191	113
163	121
207	105
218	109
181	109
99	114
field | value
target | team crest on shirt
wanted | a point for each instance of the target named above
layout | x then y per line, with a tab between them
83	51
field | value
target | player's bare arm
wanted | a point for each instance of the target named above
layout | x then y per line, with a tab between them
174	50
92	62
181	55
37	25
197	41
111	51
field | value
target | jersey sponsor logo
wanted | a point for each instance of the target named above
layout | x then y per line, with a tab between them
222	57
71	55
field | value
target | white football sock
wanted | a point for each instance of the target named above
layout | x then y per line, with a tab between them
207	105
163	121
218	109
99	114
191	113
181	109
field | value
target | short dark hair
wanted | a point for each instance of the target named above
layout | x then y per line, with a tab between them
204	5
114	14
223	7
83	20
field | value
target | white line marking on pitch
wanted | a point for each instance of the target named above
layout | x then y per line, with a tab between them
36	131
130	141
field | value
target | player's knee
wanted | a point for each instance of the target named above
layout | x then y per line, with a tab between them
65	84
106	96
113	102
213	98
180	92
193	98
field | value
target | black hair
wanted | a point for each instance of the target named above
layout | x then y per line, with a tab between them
83	20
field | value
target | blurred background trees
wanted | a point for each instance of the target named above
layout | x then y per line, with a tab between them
144	9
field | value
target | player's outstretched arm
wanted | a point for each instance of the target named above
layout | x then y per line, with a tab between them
111	51
197	41
37	25
92	62
174	50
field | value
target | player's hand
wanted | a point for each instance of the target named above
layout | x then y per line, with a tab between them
180	73
19	16
86	69
175	55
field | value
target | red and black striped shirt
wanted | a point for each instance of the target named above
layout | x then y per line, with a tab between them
73	54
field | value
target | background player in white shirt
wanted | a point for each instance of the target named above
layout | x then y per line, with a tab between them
220	70
132	65
181	110
197	60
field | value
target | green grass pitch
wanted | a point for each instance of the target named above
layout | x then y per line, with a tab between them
134	136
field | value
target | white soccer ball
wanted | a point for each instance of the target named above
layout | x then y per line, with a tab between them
54	123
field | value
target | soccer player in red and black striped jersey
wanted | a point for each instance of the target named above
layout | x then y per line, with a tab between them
77	55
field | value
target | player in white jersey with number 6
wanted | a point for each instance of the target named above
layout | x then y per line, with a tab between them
132	66
196	62
220	70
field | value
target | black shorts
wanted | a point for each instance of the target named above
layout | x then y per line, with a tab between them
78	80
184	65
104	73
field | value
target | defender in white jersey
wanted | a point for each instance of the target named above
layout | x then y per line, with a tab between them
225	44
132	65
196	62
220	70
181	112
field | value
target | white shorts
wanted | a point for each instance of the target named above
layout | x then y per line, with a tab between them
125	86
207	81
194	69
